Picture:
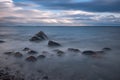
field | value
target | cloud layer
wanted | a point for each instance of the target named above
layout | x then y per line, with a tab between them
60	12
89	5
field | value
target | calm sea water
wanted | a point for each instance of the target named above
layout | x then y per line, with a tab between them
70	66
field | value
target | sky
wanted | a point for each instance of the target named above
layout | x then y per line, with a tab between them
60	12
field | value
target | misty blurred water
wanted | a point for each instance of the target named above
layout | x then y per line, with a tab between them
71	66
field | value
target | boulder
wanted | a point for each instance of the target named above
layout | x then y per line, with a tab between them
1	41
32	52
40	36
59	52
53	44
8	53
31	58
26	49
41	56
45	78
73	50
89	52
45	52
18	54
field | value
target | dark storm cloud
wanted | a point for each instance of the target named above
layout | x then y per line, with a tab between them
92	5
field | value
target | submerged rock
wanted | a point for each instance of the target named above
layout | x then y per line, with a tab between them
89	52
45	52
53	44
106	49
59	52
73	50
41	56
26	49
18	54
8	53
1	41
31	58
32	52
39	37
45	77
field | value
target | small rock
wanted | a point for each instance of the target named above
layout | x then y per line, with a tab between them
35	38
44	52
45	78
107	49
41	56
89	52
53	44
26	49
32	52
18	54
73	50
60	53
1	41
31	58
8	53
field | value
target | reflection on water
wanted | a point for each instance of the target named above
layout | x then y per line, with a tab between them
69	66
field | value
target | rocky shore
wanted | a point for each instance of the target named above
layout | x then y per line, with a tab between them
39	38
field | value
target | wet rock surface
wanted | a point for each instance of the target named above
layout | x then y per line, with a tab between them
41	56
18	54
26	49
45	78
53	44
40	36
106	49
73	50
89	52
60	53
8	53
31	58
1	41
32	52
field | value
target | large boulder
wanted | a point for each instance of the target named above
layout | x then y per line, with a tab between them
53	44
40	36
26	49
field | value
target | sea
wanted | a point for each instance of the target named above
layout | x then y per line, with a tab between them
69	66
